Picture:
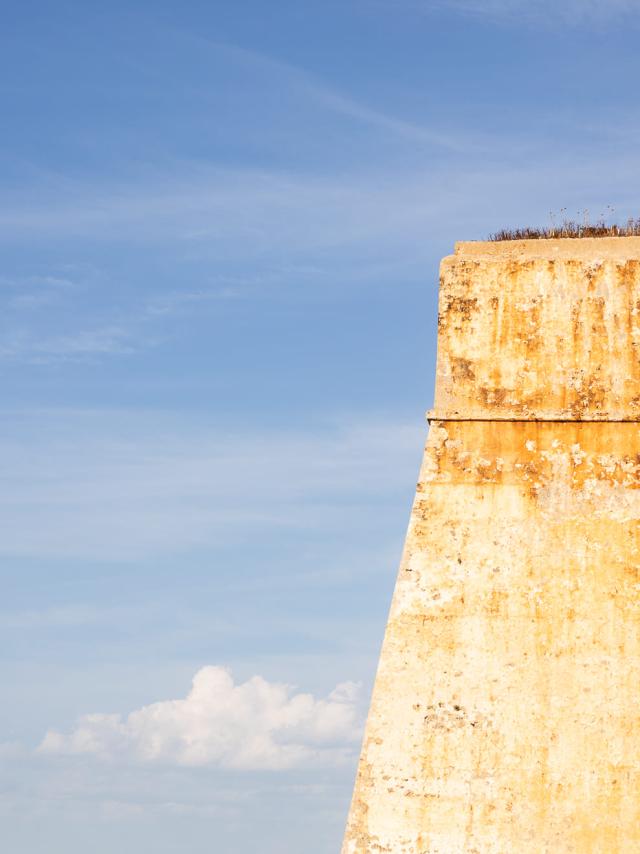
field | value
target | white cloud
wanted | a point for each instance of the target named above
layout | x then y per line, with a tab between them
253	725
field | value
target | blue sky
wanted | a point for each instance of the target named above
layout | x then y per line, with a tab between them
220	226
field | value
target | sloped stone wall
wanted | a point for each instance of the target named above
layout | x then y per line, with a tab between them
505	713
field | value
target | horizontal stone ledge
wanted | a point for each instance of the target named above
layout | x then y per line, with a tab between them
619	249
431	415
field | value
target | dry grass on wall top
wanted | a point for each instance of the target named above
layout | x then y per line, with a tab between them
570	228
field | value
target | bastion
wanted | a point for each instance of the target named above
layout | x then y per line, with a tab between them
505	714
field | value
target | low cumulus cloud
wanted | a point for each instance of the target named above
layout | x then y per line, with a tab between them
256	725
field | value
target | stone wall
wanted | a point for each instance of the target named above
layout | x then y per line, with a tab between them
504	718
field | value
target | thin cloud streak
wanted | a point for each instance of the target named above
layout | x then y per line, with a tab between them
77	346
343	104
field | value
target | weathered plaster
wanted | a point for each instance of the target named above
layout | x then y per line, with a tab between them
505	714
540	329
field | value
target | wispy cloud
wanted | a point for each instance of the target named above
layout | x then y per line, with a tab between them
53	318
67	616
255	214
21	345
545	12
34	292
177	301
239	225
254	725
344	104
105	486
91	325
258	210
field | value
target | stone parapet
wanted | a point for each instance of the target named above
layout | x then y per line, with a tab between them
540	330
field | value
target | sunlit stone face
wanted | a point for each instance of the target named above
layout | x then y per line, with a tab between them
504	715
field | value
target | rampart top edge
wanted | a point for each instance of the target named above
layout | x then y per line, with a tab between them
575	248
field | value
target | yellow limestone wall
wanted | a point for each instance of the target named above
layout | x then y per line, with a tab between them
505	716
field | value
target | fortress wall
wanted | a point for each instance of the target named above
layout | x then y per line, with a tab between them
505	716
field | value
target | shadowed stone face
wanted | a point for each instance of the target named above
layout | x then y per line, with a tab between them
505	715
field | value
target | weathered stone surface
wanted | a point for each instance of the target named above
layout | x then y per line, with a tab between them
540	329
505	710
